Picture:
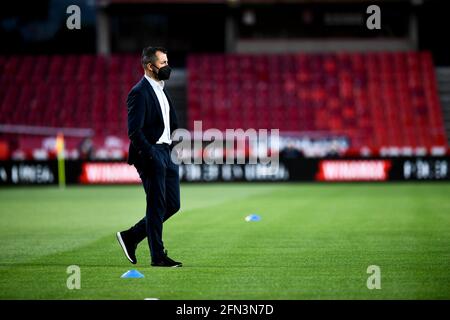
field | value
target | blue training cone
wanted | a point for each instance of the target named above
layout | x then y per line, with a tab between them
252	217
132	274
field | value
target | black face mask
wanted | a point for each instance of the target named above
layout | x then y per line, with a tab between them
163	72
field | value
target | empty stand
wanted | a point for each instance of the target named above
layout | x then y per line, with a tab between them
376	99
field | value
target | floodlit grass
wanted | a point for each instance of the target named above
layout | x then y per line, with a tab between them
314	241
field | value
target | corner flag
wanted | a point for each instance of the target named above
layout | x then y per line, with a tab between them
60	156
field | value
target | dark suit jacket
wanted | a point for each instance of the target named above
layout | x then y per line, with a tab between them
145	121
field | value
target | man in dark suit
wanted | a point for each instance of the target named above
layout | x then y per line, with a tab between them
151	121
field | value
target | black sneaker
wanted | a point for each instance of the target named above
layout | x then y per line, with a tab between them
166	262
128	246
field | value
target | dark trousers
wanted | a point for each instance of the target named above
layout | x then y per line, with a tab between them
162	188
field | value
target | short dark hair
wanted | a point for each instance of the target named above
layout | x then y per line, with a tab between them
149	55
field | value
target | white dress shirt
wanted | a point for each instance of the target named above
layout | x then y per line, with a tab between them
158	87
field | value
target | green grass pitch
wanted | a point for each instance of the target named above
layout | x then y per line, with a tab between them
315	241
